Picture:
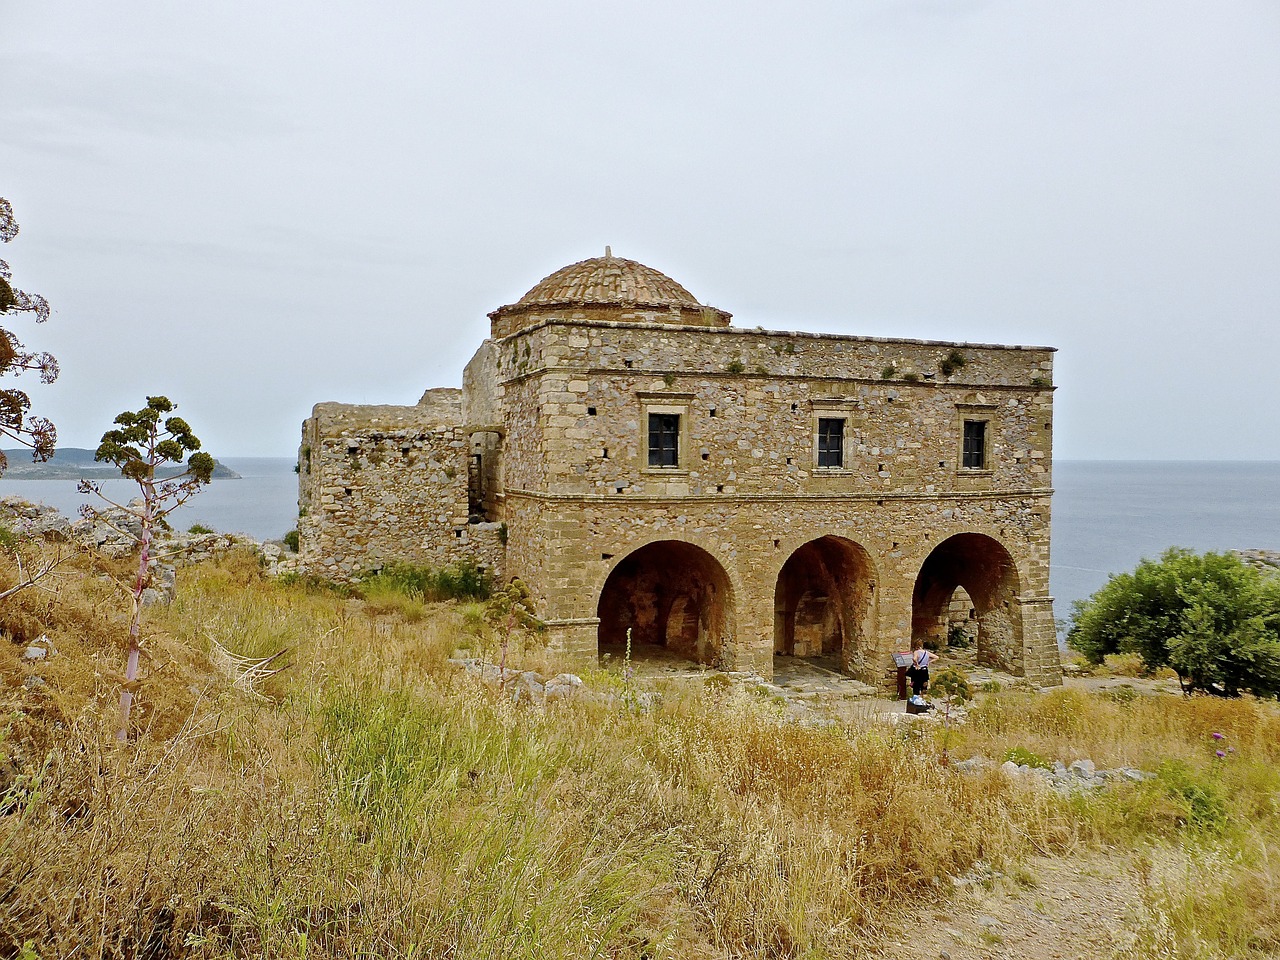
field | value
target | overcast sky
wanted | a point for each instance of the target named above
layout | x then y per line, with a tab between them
251	207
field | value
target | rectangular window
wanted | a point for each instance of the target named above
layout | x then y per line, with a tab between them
830	442
664	439
974	453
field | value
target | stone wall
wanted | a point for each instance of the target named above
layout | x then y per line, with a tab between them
383	483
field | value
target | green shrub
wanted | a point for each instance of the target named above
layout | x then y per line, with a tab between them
1204	800
959	637
736	366
291	540
952	362
889	372
950	682
1212	618
1024	757
8	539
199	528
459	581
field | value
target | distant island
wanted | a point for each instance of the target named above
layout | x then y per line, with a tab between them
76	463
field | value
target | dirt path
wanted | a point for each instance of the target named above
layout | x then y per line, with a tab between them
1077	908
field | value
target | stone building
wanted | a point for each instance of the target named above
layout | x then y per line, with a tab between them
729	495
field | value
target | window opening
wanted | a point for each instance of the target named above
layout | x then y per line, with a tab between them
664	439
830	442
975	445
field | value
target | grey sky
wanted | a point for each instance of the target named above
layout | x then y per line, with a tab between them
252	207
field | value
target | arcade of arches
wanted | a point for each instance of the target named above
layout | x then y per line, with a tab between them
677	600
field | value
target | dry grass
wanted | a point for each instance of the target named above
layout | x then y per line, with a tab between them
383	805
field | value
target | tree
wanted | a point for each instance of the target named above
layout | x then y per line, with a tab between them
140	445
15	420
1212	618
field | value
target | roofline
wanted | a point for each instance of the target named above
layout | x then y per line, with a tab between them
759	332
519	307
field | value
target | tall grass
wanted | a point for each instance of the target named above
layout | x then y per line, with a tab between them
380	804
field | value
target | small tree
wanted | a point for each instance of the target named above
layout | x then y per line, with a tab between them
1212	618
953	686
34	432
142	444
508	608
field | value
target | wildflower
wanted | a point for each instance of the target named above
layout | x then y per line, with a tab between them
1218	736
1220	755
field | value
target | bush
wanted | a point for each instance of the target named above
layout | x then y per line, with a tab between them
1203	800
952	362
459	581
291	540
1212	618
199	528
1026	758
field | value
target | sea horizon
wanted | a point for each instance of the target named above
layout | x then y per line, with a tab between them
1106	515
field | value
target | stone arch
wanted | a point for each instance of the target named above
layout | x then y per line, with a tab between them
824	603
986	571
672	595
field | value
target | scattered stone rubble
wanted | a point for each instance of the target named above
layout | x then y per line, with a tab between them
529	686
113	532
1079	776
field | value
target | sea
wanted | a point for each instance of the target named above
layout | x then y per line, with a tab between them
1107	515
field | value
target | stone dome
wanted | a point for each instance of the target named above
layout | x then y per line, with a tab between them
612	286
609	280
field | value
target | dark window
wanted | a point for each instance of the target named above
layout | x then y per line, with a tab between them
975	445
664	439
830	442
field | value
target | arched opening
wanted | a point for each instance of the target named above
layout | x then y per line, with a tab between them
823	603
674	597
970	572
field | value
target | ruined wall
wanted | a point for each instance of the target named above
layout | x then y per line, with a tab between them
380	483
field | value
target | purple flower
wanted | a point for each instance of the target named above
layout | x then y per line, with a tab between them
1231	749
1217	736
1221	755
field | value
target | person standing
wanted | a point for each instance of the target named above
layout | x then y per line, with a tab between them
918	672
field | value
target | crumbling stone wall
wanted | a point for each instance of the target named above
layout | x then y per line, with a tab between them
384	483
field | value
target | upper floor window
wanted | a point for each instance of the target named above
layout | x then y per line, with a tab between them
973	454
664	439
831	441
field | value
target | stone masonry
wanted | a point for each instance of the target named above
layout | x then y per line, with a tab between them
729	495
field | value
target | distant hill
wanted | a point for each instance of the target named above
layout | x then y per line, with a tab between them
75	463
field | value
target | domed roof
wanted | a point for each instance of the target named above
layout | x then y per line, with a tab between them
609	280
606	288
